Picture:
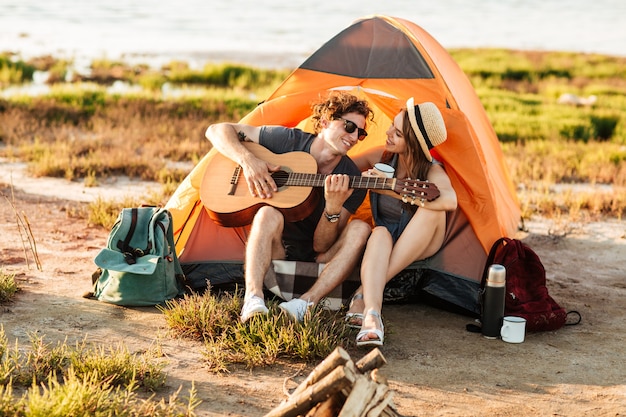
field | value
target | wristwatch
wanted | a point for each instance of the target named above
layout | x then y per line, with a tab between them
333	218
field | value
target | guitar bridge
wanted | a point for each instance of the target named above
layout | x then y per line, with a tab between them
234	180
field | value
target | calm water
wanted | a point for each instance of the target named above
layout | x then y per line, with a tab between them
285	32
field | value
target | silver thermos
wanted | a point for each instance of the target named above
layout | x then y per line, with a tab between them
493	302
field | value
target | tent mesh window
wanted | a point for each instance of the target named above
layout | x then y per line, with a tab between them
365	50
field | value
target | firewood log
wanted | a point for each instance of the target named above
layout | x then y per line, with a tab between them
379	401
359	397
336	358
335	381
373	360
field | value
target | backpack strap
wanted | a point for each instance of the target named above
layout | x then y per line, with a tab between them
573	323
130	253
183	282
155	220
491	256
124	245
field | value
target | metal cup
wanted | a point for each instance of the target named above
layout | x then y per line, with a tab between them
384	170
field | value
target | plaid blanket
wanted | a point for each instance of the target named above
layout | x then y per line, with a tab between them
291	279
287	279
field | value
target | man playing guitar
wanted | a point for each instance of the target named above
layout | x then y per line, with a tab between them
324	236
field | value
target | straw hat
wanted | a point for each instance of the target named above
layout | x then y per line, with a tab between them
428	125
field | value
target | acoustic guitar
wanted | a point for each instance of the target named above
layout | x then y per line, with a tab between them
224	190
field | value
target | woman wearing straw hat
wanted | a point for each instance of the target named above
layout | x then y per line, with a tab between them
405	231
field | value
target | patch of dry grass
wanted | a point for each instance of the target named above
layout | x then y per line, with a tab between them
83	380
261	341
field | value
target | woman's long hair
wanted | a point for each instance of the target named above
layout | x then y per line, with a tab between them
417	164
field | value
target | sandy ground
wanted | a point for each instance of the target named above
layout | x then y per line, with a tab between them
435	367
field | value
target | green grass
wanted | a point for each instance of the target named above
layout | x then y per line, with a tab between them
262	341
14	72
90	396
84	380
8	286
42	360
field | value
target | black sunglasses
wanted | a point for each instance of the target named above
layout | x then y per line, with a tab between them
350	127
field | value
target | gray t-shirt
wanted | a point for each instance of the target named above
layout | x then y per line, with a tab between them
298	236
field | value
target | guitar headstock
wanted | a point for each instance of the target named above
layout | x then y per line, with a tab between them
416	191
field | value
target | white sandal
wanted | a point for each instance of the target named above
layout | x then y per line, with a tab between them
380	333
352	318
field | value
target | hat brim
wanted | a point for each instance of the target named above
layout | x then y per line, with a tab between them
410	108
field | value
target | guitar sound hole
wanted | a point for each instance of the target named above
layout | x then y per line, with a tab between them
280	178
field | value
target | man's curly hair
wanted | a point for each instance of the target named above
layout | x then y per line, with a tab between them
336	105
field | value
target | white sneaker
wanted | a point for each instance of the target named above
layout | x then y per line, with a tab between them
253	306
296	308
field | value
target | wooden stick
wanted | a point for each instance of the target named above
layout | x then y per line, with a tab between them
373	360
378	378
379	401
359	397
390	411
335	381
336	358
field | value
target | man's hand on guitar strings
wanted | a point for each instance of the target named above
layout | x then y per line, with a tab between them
258	175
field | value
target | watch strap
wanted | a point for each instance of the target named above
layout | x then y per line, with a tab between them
332	217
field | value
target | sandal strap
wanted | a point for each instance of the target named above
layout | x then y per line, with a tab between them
376	314
379	334
373	313
378	317
356	297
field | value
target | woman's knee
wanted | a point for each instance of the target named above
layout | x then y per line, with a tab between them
380	233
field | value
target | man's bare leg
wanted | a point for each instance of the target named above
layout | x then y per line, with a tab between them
341	259
264	244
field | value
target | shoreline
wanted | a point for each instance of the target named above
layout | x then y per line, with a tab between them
156	59
81	65
198	59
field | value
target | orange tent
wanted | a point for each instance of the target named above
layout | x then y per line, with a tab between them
385	60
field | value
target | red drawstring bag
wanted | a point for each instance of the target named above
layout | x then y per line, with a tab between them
526	292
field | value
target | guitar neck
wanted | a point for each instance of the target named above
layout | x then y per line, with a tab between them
360	182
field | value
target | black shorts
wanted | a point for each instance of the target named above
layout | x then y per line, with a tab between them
299	251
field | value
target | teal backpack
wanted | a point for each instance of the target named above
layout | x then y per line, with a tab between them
139	266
